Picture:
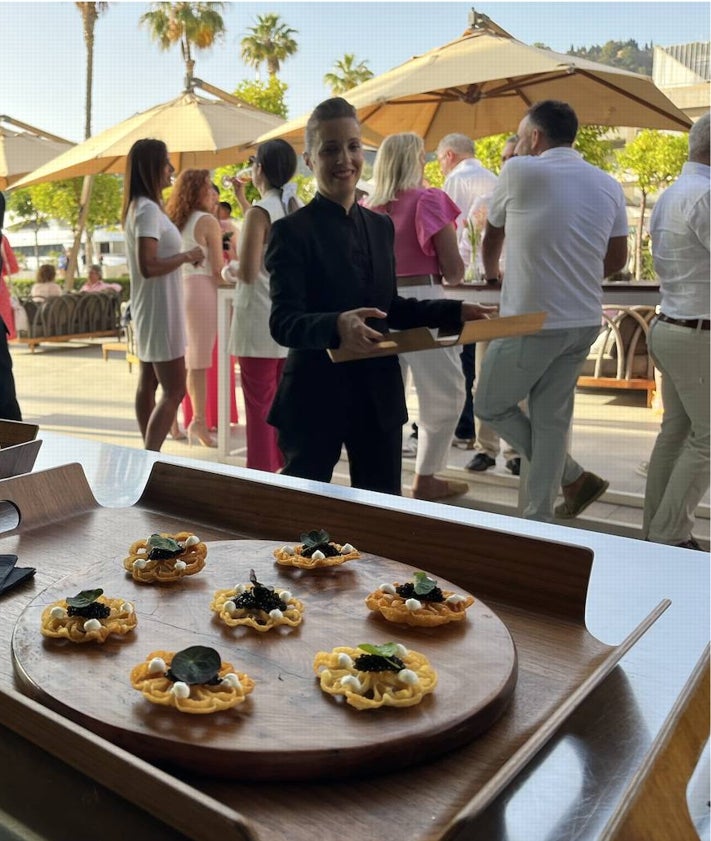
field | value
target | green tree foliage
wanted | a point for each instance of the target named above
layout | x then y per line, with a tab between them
595	144
197	25
624	54
269	96
269	41
488	151
347	74
22	207
655	160
60	200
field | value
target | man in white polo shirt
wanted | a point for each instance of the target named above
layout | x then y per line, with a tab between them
678	475
566	230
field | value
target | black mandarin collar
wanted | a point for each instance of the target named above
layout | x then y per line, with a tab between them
334	207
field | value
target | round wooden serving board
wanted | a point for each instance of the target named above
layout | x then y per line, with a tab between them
288	729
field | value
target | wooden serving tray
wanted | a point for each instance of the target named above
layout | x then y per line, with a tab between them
288	729
536	587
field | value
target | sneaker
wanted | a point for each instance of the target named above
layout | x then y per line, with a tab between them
514	466
409	446
480	462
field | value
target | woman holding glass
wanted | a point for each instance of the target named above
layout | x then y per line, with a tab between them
261	359
155	256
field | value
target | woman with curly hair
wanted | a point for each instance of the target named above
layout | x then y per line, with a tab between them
192	206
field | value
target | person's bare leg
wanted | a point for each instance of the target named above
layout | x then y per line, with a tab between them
197	389
145	401
171	377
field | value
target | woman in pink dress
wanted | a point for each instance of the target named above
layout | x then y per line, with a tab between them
9	267
426	256
191	207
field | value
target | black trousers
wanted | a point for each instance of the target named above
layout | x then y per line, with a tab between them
9	407
374	454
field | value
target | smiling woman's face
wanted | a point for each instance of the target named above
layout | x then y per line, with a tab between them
336	159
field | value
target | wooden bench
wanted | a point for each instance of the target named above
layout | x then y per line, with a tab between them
619	357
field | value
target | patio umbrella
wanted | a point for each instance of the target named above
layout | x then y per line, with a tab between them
23	151
481	84
199	132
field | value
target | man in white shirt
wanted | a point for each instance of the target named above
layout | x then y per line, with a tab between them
566	230
678	473
466	181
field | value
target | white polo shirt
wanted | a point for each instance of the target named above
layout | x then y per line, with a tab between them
559	213
680	243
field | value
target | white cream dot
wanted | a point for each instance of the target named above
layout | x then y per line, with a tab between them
276	614
58	612
92	625
344	661
388	589
230	607
140	563
413	604
408	677
157	665
193	540
318	555
231	679
180	566
180	689
351	682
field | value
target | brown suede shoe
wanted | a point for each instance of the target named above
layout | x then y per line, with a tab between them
592	488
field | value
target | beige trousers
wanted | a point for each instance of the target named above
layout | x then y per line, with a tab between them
678	475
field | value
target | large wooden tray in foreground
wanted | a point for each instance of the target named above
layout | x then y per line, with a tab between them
288	729
537	587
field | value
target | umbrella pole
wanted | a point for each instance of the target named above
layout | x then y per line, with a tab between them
81	224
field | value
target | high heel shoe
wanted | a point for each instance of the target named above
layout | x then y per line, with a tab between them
176	433
198	434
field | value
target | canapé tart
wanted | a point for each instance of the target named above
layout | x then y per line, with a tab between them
90	616
165	557
316	550
194	680
373	676
257	606
419	602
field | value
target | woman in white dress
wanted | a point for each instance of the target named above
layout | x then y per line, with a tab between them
191	207
153	248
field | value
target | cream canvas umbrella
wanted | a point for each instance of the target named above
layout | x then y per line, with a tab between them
482	83
198	132
23	151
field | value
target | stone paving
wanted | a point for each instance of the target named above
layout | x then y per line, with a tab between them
70	389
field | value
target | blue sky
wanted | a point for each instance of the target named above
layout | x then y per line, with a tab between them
43	53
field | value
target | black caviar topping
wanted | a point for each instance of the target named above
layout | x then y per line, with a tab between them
378	663
95	610
259	597
407	591
163	548
85	604
317	539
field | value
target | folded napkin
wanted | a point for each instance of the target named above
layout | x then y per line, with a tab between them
10	575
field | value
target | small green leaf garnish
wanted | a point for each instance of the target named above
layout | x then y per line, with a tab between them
84	598
197	664
315	538
167	544
387	650
423	583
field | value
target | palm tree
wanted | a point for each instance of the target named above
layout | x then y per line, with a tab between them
347	74
191	25
89	14
269	41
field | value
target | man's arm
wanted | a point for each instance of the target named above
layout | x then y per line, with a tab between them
491	247
616	255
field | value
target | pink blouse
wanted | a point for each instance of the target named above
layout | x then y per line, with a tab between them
419	214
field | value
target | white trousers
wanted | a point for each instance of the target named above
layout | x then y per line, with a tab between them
678	474
439	384
487	439
543	367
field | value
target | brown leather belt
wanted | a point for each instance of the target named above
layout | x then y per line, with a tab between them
419	280
693	323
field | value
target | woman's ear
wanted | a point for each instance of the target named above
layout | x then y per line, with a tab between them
307	160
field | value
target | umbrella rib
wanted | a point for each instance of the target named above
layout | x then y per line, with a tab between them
637	99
